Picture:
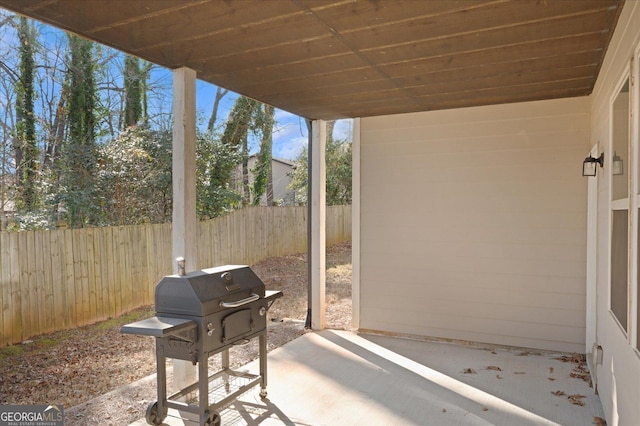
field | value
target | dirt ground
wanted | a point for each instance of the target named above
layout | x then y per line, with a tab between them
90	370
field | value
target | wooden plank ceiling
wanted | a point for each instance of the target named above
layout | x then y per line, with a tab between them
328	59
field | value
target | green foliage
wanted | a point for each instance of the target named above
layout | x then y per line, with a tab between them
25	149
79	153
135	177
134	78
216	162
262	182
242	119
74	163
338	174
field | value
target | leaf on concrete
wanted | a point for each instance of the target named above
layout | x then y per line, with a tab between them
599	421
576	399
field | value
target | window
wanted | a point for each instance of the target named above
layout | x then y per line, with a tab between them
619	170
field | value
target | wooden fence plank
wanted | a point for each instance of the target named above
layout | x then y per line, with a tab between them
123	271
56	240
120	290
11	328
149	250
6	318
96	277
19	329
82	299
70	287
27	278
108	275
91	275
43	245
137	265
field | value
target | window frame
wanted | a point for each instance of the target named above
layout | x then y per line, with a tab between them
627	203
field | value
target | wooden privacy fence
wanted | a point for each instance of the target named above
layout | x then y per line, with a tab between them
65	278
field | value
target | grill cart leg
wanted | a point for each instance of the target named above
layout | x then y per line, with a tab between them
157	411
225	367
203	390
262	340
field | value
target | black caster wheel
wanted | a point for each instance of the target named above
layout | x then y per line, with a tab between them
153	417
211	419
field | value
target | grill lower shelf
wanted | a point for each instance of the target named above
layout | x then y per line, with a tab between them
224	386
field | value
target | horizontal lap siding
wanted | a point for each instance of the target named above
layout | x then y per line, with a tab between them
474	224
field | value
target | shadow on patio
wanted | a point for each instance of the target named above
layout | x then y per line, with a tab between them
341	378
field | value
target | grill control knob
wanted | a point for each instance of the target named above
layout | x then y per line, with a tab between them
210	329
262	311
227	276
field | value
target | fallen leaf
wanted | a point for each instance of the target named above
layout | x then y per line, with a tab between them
444	410
519	372
551	370
498	376
558	393
469	371
551	379
576	399
575	358
582	376
485	409
493	367
599	421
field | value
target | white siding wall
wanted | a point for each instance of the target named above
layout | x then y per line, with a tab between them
618	378
474	224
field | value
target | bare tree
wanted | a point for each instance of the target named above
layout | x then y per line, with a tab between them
220	93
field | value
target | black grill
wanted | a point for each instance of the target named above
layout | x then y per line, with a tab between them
198	315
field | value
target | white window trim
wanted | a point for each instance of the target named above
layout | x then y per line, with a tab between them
634	124
619	204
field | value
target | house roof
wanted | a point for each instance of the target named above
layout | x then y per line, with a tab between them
328	59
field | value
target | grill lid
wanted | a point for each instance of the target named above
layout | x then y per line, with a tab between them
199	293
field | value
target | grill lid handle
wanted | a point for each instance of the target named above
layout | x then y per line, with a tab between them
240	302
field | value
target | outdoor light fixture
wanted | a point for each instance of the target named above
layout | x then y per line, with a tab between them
617	168
589	167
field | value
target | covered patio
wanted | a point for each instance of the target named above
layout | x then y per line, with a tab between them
337	377
470	218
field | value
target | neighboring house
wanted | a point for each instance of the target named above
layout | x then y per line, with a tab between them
280	170
471	218
6	212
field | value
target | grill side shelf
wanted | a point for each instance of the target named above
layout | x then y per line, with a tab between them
159	327
272	295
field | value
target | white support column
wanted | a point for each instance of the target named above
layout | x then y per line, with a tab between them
318	223
355	224
184	224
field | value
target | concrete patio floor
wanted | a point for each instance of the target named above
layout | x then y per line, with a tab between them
343	378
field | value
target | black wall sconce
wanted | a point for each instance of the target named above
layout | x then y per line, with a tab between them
589	167
617	166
